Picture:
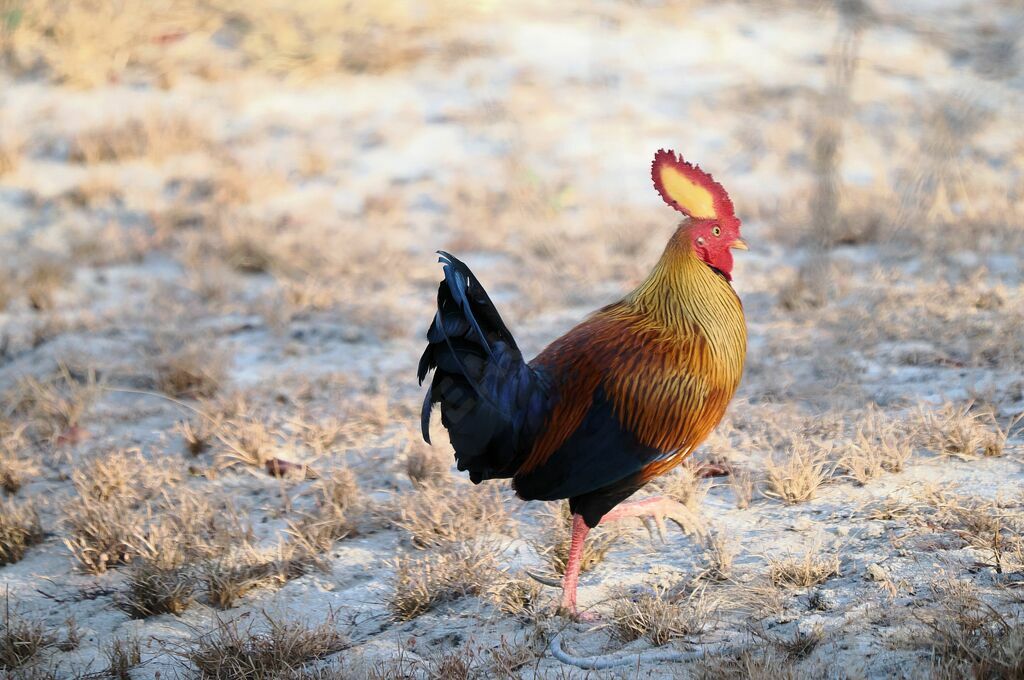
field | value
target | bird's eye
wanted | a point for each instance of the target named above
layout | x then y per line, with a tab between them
716	231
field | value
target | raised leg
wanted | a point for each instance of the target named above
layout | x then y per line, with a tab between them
658	509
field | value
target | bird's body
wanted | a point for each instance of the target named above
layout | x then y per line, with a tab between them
618	400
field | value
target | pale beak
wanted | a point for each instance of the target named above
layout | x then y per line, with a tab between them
739	244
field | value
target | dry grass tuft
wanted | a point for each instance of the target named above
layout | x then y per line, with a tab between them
719	554
794	647
197	435
954	430
421	583
276	649
228	578
111	520
123	474
743	484
22	638
11	151
154	137
811	569
193	369
249	247
661	616
797	478
54	406
89	43
424	466
518	597
969	637
123	654
879	445
42	280
154	589
683	485
102	534
16	463
245	442
450	512
338	509
509	658
748	665
160	580
19	530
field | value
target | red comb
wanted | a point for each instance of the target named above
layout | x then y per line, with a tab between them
689	189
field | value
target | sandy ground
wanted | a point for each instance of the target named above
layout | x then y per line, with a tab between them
284	232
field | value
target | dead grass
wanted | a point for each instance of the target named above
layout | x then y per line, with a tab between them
17	462
878	445
969	637
22	638
100	41
160	579
748	665
266	650
661	616
423	465
245	442
719	554
967	320
102	534
743	484
423	582
45	276
127	507
122	654
811	569
154	136
192	369
11	151
123	474
53	406
154	589
450	512
339	508
518	597
683	485
227	579
954	430
20	529
797	478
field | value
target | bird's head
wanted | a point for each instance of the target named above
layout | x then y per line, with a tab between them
712	227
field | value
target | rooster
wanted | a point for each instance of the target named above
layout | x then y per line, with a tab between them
620	399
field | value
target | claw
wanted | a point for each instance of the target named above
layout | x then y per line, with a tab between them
543	580
653	530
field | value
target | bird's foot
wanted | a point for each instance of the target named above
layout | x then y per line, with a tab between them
705	470
654	512
577	615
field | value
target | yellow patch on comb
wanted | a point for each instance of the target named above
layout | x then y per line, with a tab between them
689	189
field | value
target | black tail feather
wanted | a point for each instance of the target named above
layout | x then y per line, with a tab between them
480	377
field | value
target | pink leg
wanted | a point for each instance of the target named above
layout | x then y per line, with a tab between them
572	567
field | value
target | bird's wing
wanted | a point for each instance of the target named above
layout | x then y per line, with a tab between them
629	404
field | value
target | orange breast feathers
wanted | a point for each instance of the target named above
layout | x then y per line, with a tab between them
670	360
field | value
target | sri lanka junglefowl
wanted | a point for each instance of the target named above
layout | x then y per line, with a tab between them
623	397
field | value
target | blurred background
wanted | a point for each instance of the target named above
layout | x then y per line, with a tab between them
235	203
